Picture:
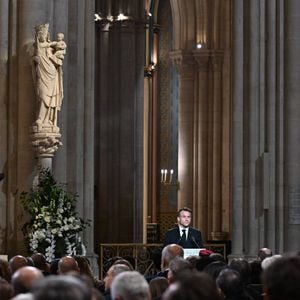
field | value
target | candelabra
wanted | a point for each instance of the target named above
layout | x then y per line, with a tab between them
167	178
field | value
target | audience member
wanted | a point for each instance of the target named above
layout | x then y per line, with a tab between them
193	259
67	264
231	285
85	269
193	287
269	261
169	252
4	270
157	287
54	266
112	272
24	278
282	279
130	285
213	269
263	253
179	267
6	291
61	287
16	263
40	262
123	261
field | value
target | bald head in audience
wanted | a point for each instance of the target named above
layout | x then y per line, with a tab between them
24	278
16	263
168	253
67	264
264	253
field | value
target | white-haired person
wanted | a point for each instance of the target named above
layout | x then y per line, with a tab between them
130	285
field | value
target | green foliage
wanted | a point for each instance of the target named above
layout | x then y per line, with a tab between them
54	226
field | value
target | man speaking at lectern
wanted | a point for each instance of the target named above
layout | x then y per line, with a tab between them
183	235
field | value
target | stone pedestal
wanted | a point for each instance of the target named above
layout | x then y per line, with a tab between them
46	141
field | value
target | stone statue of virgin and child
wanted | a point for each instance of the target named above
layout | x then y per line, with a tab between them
48	75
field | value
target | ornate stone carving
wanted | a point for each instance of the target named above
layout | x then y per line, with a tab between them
47	142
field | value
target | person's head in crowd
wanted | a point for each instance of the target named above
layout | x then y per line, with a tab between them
24	278
217	257
282	279
263	253
242	266
54	266
131	260
86	270
112	272
30	261
230	283
130	285
16	263
6	290
269	261
193	259
194	286
169	252
158	286
111	261
4	270
123	261
255	272
184	217
203	262
40	262
214	268
178	267
61	287
67	264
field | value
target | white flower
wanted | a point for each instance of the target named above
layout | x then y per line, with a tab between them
47	219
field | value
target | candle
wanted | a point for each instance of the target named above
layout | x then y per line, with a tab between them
166	172
162	175
171	175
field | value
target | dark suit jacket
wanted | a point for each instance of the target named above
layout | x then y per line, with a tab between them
194	239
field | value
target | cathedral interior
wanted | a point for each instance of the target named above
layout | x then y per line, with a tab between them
166	103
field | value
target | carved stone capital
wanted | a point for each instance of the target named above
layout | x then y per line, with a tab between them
46	140
183	61
202	56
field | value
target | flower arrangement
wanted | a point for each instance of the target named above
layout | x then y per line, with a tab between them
54	226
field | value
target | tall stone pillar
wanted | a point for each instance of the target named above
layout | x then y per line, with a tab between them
184	61
292	117
201	141
216	58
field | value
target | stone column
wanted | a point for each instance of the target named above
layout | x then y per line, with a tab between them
201	140
216	130
292	117
184	61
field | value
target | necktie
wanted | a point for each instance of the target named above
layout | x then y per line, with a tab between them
183	235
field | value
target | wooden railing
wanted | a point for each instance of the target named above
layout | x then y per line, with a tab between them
141	255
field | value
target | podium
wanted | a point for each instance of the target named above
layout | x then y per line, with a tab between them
191	252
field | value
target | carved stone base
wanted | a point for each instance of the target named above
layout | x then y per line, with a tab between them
45	140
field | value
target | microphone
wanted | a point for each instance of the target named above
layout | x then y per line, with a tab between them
194	240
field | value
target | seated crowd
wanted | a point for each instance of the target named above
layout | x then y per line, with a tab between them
205	277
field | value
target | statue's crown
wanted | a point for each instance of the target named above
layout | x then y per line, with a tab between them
42	27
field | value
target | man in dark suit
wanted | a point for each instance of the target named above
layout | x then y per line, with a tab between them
183	234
